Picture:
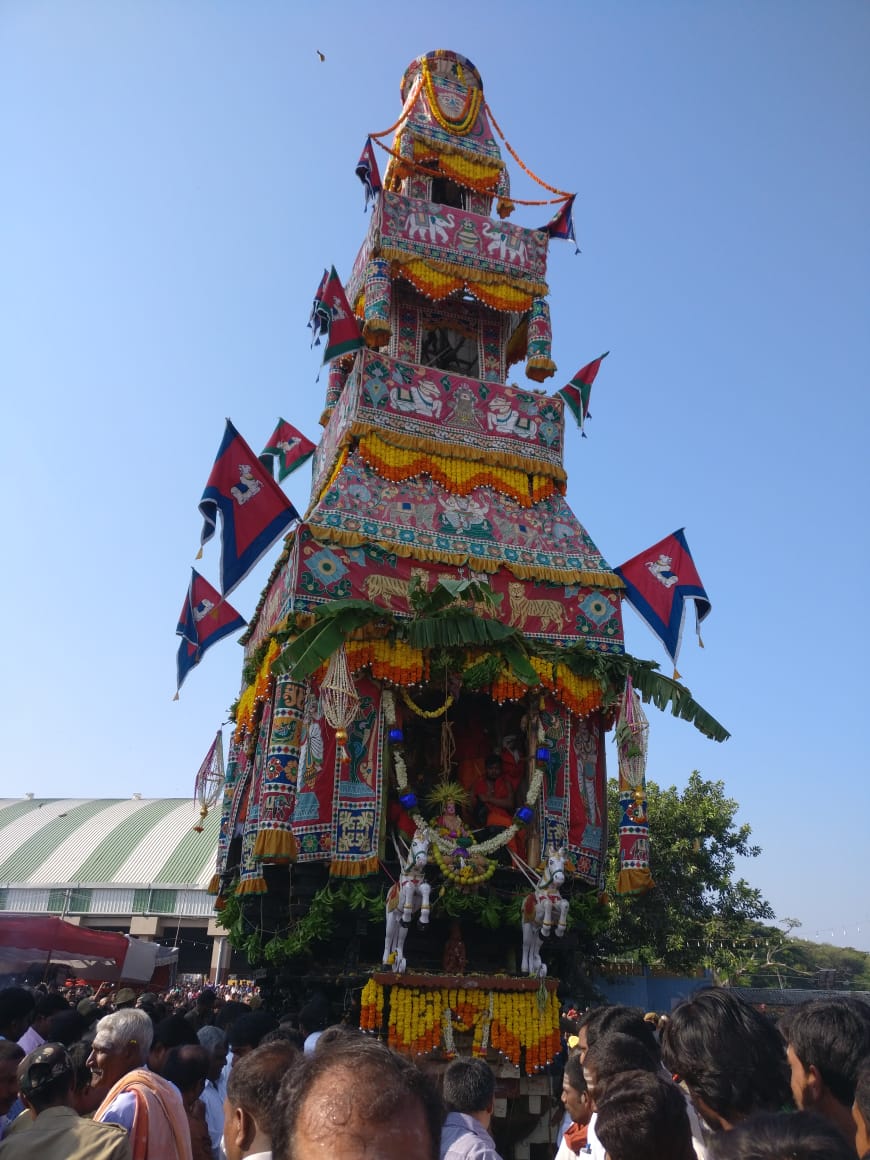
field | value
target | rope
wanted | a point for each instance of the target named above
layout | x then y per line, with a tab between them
424	169
561	192
405	114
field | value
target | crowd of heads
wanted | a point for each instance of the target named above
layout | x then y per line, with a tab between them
716	1077
720	1078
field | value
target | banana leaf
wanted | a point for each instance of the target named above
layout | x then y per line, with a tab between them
517	657
450	592
456	627
663	692
316	644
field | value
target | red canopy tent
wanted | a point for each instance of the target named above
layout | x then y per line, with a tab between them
91	954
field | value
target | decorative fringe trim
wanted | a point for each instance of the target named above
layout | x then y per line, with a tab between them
451	148
275	846
214	886
252	886
634	882
582	695
478	563
518	343
437	279
524	463
354	869
462	273
460	169
403	666
455	475
376	333
539	368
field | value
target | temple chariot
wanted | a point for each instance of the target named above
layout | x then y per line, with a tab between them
415	816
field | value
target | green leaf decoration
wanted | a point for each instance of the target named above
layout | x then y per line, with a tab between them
316	644
663	692
518	659
456	627
451	592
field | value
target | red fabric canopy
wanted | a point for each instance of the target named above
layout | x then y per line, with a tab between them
48	943
93	954
61	940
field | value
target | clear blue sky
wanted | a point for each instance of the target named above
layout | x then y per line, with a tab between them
177	174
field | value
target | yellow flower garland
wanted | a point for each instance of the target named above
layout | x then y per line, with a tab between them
429	714
460	476
256	692
522	1026
460	125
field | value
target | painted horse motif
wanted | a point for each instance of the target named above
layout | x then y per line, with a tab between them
539	909
406	898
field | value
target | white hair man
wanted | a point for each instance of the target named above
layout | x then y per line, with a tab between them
148	1107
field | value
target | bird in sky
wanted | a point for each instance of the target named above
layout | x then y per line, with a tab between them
322	55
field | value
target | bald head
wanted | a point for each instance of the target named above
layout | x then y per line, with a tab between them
357	1100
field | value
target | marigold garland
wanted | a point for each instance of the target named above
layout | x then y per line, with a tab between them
400	167
582	695
436	284
463	871
462	125
389	660
470	172
522	1026
552	189
429	714
460	476
256	693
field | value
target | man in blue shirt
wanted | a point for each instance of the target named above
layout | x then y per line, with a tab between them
469	1093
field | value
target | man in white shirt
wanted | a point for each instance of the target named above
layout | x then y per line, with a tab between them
214	1042
252	1099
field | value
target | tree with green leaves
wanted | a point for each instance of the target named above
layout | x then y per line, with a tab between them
698	908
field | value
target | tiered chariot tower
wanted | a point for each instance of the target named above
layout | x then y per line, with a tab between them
439	603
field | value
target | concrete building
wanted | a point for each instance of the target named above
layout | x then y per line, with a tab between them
134	865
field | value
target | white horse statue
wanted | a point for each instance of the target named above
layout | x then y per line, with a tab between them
539	909
406	898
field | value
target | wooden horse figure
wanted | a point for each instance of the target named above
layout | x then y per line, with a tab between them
406	898
539	909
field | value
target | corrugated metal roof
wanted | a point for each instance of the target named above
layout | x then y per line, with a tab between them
106	842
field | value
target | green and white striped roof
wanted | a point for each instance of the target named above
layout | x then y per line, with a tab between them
106	842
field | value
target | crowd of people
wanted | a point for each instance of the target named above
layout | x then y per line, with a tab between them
209	1077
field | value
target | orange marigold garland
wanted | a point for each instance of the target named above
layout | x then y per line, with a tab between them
522	1026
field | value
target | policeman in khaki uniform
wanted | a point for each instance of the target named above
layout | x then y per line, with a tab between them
52	1130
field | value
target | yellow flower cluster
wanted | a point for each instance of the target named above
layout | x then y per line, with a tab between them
415	1019
436	284
371	1007
522	1026
460	125
466	171
460	476
429	714
388	660
519	1020
467	873
581	695
256	692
